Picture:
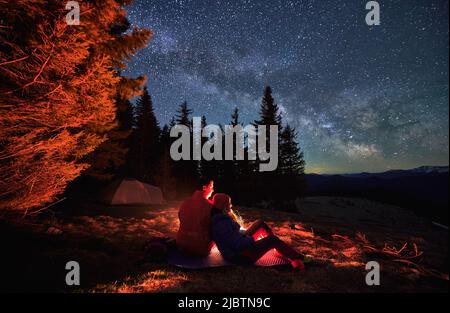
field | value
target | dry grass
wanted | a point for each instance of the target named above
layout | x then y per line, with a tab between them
413	255
152	281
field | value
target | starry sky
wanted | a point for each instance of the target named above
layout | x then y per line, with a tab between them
362	98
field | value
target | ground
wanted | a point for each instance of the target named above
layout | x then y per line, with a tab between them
340	234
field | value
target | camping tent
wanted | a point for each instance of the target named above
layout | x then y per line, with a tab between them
131	191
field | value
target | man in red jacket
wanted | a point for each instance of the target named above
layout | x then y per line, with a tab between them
194	234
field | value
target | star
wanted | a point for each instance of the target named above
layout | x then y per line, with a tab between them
361	98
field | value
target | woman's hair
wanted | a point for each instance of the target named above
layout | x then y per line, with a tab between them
236	217
223	202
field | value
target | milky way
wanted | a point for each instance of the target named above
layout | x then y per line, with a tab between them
362	98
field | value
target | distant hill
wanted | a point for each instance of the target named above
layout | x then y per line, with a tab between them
403	173
423	189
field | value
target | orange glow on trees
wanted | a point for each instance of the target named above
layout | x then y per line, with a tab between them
57	91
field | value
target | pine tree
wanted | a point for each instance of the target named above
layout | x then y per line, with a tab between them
57	94
269	111
164	176
165	139
204	122
235	118
147	134
291	158
186	171
125	114
269	114
146	121
126	121
210	169
111	158
232	170
172	123
203	165
291	183
183	115
203	169
235	170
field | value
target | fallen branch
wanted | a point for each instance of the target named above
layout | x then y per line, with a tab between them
424	270
398	253
45	208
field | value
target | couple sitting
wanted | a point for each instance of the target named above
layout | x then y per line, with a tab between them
204	222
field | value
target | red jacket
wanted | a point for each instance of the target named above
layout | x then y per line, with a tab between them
194	234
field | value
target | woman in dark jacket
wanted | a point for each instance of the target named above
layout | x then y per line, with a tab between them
245	246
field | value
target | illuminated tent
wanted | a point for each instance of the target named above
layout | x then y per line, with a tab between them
131	192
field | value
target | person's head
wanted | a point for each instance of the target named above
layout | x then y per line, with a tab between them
222	202
207	187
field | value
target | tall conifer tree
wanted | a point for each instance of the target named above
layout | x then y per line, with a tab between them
57	97
146	139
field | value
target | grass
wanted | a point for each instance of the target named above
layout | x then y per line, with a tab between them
340	235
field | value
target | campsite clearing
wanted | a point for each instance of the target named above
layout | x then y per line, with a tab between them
340	234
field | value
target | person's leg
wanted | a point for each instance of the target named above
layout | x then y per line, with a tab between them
287	251
257	229
258	249
261	247
254	227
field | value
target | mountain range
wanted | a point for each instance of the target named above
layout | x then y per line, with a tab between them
423	190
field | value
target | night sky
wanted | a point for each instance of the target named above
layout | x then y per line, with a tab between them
361	98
